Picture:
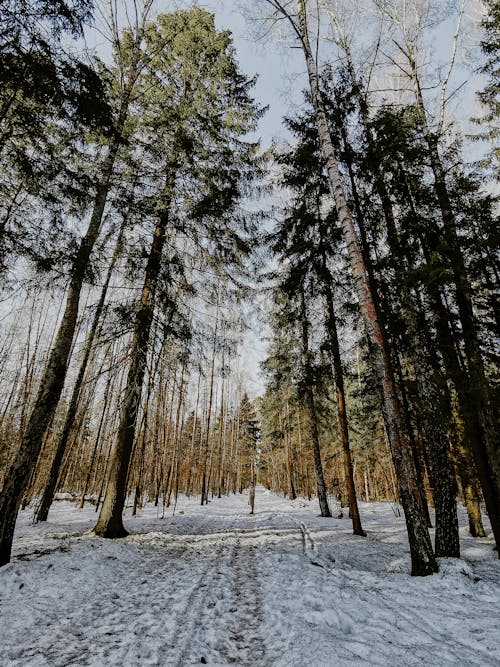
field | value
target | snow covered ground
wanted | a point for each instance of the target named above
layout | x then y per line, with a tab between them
214	585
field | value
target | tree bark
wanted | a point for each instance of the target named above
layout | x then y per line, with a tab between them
52	381
204	453
292	494
110	522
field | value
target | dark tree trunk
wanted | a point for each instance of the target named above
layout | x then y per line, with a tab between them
447	543
53	377
110	523
312	413
485	448
55	467
469	446
471	419
422	556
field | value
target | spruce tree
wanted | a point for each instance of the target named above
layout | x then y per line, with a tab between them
196	109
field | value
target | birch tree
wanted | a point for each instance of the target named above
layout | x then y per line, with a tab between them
423	561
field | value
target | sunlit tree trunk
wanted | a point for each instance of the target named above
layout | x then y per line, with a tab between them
289	454
205	453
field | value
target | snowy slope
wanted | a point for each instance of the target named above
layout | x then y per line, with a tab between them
215	585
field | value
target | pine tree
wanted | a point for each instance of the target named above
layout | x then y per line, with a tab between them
489	96
50	99
307	232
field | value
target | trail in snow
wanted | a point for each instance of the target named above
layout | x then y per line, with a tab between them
216	585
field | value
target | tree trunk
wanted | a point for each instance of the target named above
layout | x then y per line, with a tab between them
54	374
447	542
204	453
312	413
485	445
468	482
193	435
55	467
110	523
52	381
292	494
98	440
341	404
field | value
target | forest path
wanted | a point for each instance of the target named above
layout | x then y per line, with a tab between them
216	585
182	590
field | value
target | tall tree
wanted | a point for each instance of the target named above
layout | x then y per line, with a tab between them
52	381
447	241
201	158
423	561
306	234
50	97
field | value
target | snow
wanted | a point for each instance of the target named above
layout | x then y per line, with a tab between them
215	585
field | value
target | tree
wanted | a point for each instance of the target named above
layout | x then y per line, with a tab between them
477	405
55	467
52	381
198	117
248	440
423	561
491	68
305	237
49	100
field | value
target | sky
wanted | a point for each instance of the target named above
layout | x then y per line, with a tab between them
281	77
280	69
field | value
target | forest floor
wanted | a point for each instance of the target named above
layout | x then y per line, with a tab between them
215	585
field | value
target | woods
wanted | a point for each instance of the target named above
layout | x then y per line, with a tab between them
146	228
